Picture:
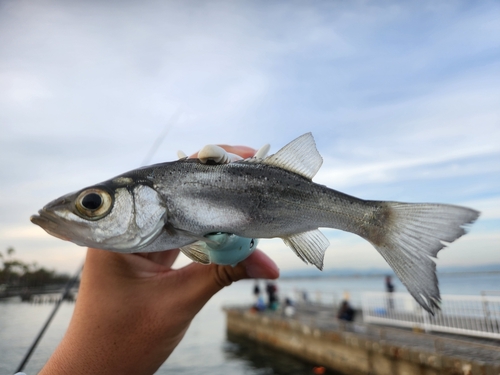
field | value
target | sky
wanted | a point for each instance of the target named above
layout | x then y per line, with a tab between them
403	99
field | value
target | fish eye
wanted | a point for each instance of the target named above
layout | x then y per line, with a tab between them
93	203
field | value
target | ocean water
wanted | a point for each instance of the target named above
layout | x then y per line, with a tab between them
206	349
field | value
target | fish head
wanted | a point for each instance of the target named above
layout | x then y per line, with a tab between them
119	215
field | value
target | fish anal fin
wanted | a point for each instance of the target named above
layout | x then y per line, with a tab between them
309	246
197	252
299	156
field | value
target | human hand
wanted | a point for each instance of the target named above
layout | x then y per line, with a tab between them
133	309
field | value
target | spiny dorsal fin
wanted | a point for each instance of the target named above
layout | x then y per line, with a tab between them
197	252
299	156
309	246
262	152
217	155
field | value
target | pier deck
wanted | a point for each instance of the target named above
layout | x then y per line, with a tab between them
315	334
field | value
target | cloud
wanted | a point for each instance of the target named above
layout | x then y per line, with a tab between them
21	89
403	99
489	207
370	172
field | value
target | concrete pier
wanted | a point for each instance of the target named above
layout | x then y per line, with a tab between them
315	335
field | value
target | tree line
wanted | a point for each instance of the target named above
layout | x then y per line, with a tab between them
16	273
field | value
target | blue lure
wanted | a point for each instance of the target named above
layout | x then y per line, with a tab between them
220	248
227	248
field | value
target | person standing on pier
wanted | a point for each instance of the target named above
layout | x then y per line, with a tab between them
259	304
272	295
389	287
256	290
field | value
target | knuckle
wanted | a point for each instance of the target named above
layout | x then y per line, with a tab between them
223	276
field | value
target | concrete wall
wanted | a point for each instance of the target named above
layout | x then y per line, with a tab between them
350	353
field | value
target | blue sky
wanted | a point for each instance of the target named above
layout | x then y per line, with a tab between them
403	100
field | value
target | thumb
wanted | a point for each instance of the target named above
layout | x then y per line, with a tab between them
204	281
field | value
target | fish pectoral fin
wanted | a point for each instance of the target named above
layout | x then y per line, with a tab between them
197	252
309	246
299	156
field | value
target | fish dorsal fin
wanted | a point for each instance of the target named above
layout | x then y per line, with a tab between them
299	156
262	152
309	246
197	252
216	155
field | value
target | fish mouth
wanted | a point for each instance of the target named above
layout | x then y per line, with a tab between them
43	218
39	219
49	224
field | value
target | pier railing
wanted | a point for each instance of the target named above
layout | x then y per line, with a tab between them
465	315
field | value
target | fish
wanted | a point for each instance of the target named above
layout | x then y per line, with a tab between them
178	204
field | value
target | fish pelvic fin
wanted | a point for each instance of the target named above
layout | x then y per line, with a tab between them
408	235
309	246
299	156
197	252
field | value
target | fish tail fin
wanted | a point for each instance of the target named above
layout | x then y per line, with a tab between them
408	235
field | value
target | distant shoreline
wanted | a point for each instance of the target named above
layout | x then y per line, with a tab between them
383	274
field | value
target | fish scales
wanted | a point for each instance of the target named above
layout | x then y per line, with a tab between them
274	201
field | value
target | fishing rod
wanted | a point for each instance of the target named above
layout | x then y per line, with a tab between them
173	120
71	282
159	139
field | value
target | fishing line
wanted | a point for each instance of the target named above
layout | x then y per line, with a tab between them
171	122
64	296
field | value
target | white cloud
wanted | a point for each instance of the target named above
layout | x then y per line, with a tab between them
472	249
489	207
387	170
392	92
21	89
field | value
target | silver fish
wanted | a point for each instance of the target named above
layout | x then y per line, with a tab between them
175	204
